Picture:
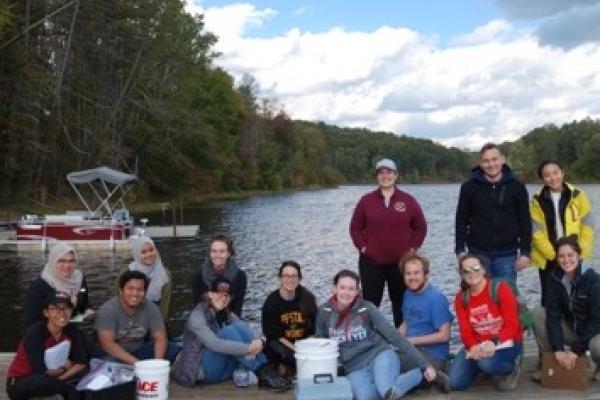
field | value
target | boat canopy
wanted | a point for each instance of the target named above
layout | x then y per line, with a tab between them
101	173
98	179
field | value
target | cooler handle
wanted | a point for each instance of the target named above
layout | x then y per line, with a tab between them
327	378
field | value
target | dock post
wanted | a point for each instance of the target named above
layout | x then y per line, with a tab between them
174	209
44	239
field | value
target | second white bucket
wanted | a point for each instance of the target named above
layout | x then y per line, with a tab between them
316	356
153	379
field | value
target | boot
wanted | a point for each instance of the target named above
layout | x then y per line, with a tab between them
268	378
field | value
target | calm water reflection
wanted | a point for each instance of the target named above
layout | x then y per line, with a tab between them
310	227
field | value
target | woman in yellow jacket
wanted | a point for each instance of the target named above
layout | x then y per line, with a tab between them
559	209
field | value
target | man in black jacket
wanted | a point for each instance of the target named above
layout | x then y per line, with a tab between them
492	216
570	323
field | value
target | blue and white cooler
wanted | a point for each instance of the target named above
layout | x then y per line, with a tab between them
316	364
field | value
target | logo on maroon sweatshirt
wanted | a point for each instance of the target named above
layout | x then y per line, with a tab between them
400	206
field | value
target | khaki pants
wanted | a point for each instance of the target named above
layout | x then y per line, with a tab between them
569	337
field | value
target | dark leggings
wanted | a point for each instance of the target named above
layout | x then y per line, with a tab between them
373	279
279	353
545	276
40	385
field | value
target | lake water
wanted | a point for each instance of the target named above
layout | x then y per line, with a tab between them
310	227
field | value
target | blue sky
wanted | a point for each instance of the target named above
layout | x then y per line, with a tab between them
460	72
435	17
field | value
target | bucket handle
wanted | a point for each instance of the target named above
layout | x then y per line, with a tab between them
322	378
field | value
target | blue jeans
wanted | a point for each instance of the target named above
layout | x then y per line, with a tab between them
499	263
382	373
463	371
219	367
146	351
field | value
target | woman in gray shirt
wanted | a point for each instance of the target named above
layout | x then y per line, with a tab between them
216	342
368	343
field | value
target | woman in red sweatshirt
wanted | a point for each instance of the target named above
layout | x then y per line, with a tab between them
387	223
489	329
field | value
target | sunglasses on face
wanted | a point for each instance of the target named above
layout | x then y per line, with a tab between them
467	269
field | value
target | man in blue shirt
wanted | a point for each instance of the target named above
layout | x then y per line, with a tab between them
426	312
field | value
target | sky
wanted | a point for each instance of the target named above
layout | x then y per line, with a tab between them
460	72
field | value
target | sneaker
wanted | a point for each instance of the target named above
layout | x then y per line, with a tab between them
537	376
510	381
268	378
442	381
252	378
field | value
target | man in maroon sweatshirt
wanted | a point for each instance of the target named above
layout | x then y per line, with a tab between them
387	224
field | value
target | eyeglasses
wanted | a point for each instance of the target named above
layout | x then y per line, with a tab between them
290	276
66	261
467	269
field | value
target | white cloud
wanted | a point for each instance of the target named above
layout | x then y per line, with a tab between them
300	10
494	83
492	31
230	22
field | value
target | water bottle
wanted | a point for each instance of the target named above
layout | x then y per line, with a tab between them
241	377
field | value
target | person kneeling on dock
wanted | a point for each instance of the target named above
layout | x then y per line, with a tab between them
427	315
125	321
365	340
29	374
489	328
216	342
570	323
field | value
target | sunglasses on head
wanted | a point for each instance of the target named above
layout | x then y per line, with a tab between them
467	269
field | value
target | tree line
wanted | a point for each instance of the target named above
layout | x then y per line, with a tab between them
134	86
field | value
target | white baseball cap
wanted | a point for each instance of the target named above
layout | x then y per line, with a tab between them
386	163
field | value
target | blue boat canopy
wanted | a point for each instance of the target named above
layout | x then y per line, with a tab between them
97	179
105	174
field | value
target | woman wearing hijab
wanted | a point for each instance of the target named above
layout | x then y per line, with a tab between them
221	263
60	274
147	260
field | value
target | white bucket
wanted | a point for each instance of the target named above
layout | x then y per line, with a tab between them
316	356
153	379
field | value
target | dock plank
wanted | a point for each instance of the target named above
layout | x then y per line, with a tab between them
482	389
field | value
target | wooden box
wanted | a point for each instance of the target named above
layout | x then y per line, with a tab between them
555	376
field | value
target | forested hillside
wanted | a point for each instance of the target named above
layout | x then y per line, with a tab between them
109	82
575	145
134	85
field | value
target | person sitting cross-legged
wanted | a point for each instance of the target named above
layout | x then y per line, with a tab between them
125	322
216	342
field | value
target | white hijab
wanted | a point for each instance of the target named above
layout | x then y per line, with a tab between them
70	286
155	272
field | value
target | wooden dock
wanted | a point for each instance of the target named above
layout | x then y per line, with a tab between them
483	389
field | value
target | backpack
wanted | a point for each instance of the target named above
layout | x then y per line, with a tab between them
525	316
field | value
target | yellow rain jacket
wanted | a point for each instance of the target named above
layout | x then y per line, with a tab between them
576	219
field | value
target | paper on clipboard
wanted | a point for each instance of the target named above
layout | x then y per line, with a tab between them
57	356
